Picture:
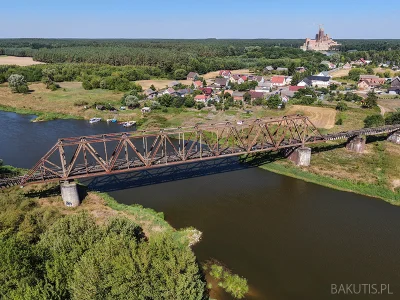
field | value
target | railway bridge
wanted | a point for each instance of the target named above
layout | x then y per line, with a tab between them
105	154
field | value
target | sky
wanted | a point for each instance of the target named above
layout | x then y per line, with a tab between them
245	19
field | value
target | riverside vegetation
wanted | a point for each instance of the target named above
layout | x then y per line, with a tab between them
100	250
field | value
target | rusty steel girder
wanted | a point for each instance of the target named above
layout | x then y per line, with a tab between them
97	155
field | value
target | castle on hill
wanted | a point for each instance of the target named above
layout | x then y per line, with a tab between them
322	42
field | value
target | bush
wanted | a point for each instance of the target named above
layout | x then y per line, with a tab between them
274	101
132	101
235	285
80	103
87	85
339	122
341	106
374	121
54	86
200	105
393	118
18	84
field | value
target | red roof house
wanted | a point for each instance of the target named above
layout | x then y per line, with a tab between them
201	98
278	80
294	88
198	84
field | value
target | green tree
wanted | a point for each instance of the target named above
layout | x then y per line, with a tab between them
18	84
132	101
370	101
393	118
341	106
48	77
235	285
247	97
180	74
374	121
274	101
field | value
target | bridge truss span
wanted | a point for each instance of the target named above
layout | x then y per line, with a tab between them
114	153
97	155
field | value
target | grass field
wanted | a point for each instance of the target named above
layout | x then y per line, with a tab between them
19	61
321	117
340	73
214	74
389	104
160	84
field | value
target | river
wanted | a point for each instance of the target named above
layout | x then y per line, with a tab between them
289	238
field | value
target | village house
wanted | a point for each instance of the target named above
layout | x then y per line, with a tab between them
328	64
324	73
225	73
295	88
282	70
192	76
265	86
237	96
363	85
256	95
169	91
145	110
198	84
347	66
370	81
236	79
207	91
315	81
173	83
278	80
300	69
221	82
395	86
201	98
268	69
150	94
184	92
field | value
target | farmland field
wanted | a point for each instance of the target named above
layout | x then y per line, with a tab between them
321	117
19	61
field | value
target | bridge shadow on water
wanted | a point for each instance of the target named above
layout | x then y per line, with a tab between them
170	173
178	172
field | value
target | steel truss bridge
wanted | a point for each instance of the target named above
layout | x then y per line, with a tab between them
114	153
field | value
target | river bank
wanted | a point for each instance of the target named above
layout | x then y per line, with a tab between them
373	174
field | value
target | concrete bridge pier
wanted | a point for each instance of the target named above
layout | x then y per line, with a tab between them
69	193
394	138
301	156
356	144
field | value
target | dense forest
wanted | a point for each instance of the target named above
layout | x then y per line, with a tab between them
144	59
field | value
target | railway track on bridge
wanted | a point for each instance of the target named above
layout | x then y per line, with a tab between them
106	154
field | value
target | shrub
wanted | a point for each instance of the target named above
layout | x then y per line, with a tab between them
132	101
274	101
216	271
339	122
80	103
393	118
54	86
87	85
374	121
235	285
18	84
341	106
